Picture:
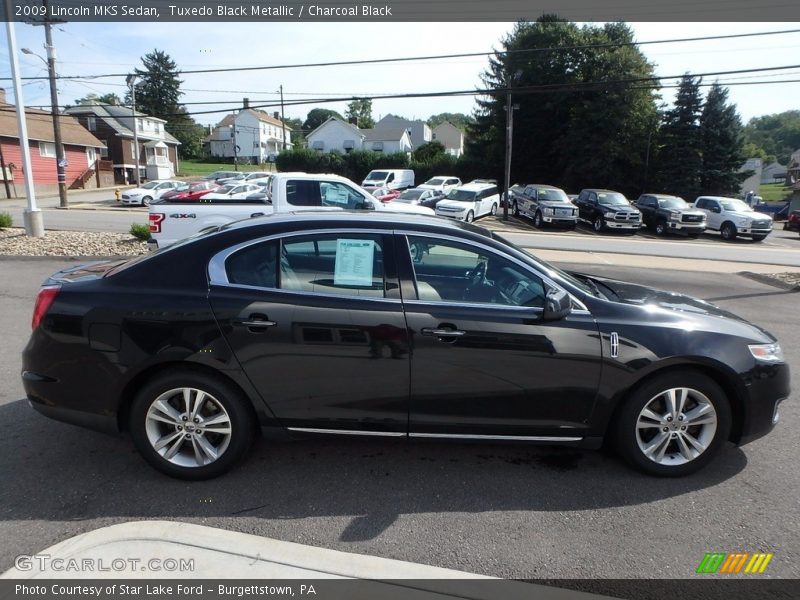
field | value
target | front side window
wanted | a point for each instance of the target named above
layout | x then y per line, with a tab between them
448	271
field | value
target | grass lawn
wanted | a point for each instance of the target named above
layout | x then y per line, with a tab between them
199	167
774	192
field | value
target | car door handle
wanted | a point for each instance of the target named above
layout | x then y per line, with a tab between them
443	333
255	321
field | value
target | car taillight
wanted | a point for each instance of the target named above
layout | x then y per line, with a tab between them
155	222
44	300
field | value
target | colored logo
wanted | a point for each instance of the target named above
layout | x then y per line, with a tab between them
734	562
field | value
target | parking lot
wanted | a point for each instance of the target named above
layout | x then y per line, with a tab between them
502	510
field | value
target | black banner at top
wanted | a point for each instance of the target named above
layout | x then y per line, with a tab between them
390	10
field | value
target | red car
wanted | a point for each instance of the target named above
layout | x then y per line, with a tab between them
793	221
193	190
385	194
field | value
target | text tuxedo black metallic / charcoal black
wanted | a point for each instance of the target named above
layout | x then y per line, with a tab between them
390	325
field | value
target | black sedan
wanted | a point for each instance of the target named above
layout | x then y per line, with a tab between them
327	324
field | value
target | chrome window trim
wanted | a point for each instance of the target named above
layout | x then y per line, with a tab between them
516	438
348	432
581	306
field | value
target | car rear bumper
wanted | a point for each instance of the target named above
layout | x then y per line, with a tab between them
767	389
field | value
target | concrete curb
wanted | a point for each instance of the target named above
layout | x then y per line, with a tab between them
761	278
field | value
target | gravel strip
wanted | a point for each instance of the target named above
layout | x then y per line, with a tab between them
792	279
14	242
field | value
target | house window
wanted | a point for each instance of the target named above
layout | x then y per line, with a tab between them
104	151
140	124
47	149
91	123
318	145
377	146
157	127
91	156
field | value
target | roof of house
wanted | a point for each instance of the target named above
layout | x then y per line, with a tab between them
111	113
356	130
384	133
40	127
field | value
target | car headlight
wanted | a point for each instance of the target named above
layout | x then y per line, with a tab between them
768	353
743	222
609	215
674	216
549	211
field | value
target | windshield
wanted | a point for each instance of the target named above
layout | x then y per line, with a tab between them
435	181
553	195
549	269
611	199
182	188
410	195
225	189
150	185
461	195
678	203
377	176
196	187
736	206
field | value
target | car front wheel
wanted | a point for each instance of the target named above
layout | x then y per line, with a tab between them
470	217
515	209
190	425
661	228
146	201
728	231
598	224
494	209
673	425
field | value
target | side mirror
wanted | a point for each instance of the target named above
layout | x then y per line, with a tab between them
557	305
365	205
716	209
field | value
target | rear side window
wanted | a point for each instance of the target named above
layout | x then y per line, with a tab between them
255	265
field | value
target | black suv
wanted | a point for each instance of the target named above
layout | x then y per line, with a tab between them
671	213
606	209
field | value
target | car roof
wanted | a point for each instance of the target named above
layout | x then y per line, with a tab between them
542	185
476	187
661	195
360	217
717	198
601	190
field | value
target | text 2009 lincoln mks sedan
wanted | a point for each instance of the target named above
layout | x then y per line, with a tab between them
390	325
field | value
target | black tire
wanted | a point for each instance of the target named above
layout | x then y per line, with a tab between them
494	209
694	236
728	231
661	227
537	220
759	238
515	209
628	436
146	201
599	224
241	419
470	217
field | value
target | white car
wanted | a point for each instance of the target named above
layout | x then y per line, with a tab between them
469	202
232	191
732	217
152	190
440	183
245	177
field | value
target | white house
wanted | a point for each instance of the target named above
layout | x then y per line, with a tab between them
335	134
752	183
773	173
451	137
388	139
419	131
255	138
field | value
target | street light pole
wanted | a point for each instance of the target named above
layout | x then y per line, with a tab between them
131	80
34	225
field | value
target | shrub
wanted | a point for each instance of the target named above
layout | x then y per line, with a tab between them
140	231
5	220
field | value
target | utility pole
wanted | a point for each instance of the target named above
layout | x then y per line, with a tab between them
283	120
61	161
233	140
131	81
509	141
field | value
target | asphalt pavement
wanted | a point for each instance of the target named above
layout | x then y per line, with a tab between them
498	510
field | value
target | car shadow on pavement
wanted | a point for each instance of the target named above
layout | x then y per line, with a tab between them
57	472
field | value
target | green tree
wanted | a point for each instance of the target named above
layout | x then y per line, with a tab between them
361	109
110	98
778	135
571	128
723	144
460	120
296	127
680	142
316	117
429	151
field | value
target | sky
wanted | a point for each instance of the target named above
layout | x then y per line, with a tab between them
95	48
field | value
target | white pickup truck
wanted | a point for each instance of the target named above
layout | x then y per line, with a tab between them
173	221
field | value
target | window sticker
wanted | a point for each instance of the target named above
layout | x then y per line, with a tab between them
354	261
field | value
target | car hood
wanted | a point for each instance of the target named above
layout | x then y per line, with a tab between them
403	207
454	204
137	192
757	216
556	204
619	207
425	186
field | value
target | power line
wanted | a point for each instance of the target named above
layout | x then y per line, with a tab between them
441	56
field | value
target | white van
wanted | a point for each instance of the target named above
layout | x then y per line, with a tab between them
394	179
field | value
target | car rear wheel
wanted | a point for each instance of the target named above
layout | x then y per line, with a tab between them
146	201
190	425
470	217
598	224
728	231
673	425
661	227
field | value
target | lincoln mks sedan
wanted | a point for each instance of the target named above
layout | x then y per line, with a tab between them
389	325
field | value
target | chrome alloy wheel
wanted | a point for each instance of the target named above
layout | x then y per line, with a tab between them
188	427
676	426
